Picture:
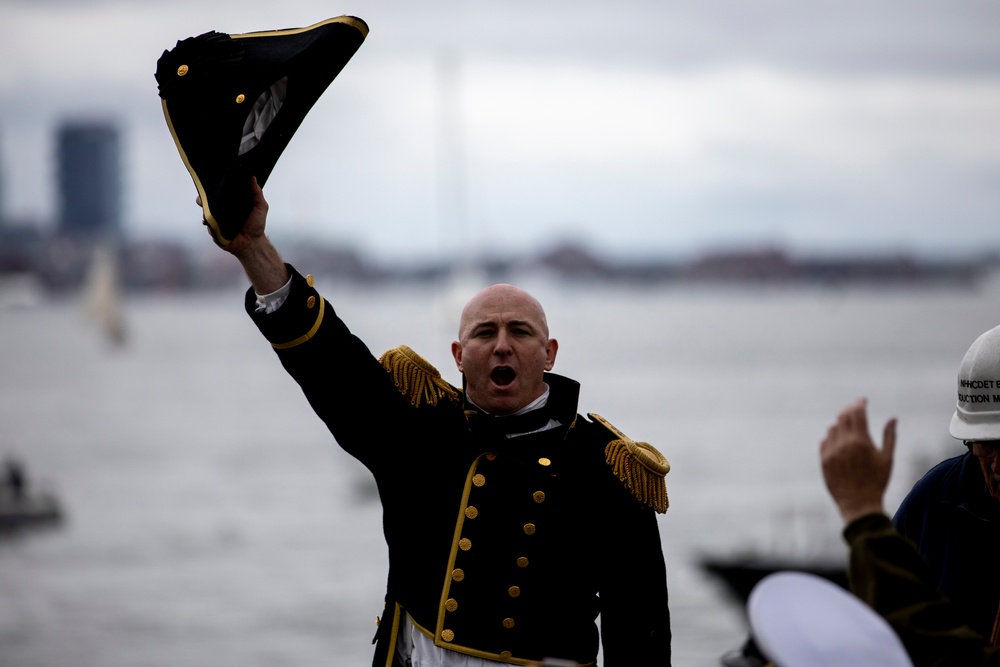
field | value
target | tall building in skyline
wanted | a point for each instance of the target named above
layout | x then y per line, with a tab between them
3	203
90	179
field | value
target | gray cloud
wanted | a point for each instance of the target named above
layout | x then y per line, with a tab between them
640	125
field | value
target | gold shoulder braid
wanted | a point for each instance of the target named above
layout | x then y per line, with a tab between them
416	378
638	465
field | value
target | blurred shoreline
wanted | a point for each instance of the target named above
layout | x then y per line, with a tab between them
56	263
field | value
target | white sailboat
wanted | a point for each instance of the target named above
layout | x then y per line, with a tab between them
102	298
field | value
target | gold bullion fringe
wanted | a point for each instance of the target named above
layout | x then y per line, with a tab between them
416	378
642	469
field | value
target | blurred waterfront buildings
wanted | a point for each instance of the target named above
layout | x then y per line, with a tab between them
58	256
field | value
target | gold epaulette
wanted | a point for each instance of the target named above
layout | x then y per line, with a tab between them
416	378
640	467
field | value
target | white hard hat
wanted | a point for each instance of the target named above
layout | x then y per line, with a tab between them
802	620
977	413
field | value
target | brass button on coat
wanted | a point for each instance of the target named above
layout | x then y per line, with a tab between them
240	98
529	529
539	496
508	623
490	456
544	461
522	562
458	574
478	480
514	591
471	512
505	655
310	280
465	544
182	70
310	302
451	604
447	635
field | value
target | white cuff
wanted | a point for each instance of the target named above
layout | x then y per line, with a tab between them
268	303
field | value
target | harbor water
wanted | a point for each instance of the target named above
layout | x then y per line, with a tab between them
211	520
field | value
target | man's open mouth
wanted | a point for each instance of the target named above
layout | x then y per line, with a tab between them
502	376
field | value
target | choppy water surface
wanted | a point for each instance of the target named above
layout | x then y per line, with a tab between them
213	521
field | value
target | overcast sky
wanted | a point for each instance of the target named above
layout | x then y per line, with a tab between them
639	127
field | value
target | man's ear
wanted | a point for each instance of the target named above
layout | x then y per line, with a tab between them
456	351
550	353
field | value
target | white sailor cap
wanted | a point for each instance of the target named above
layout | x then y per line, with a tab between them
802	620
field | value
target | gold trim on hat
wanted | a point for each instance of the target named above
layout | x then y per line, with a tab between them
209	218
352	21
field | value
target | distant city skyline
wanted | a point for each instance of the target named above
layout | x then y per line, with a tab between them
645	129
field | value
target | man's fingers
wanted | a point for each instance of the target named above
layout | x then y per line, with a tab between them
889	439
844	418
852	418
258	195
861	415
824	444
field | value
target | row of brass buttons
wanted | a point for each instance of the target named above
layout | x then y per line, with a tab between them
465	544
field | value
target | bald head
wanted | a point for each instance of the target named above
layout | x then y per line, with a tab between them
502	298
503	348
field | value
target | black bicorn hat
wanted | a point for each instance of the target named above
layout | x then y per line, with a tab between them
233	102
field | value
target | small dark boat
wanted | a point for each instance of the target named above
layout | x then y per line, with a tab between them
741	573
21	505
28	511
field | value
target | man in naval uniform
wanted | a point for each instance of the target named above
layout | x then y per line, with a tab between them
511	521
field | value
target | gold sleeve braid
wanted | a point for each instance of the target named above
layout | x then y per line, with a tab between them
416	378
639	466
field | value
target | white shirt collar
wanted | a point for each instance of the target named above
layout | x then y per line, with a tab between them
534	405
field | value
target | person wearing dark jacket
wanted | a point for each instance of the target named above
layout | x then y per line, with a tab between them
886	569
955	523
512	521
953	512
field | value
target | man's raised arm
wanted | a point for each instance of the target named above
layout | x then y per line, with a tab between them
260	259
